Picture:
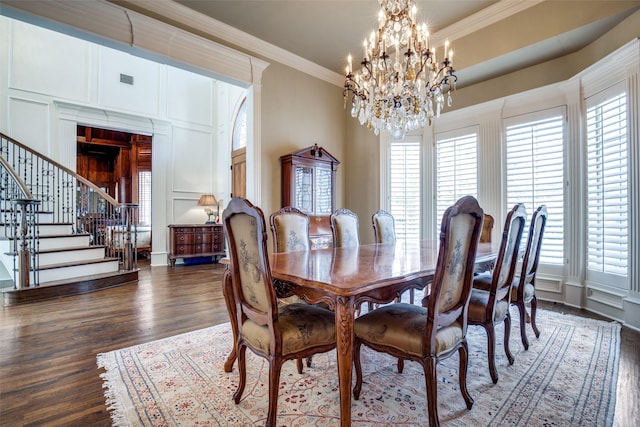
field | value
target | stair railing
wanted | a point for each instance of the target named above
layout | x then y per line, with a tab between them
18	210
68	198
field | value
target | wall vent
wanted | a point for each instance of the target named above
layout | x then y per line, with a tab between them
126	79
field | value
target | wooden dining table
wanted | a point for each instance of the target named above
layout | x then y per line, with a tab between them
345	278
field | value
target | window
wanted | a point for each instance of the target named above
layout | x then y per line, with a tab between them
457	170
535	174
144	198
240	127
405	190
607	191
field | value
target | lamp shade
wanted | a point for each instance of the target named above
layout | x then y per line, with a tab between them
207	200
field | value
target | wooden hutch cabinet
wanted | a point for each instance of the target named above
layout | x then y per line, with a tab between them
308	183
195	240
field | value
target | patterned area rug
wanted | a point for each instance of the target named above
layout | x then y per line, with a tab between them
567	377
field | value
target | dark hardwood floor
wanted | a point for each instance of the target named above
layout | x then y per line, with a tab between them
48	371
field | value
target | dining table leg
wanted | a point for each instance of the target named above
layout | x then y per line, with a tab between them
345	310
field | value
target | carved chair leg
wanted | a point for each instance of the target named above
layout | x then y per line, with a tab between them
299	365
227	291
507	336
523	326
275	365
534	307
464	363
242	373
358	368
432	390
491	351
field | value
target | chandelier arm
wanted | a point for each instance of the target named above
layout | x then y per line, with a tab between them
392	96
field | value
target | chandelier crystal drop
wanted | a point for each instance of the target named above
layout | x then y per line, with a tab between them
401	85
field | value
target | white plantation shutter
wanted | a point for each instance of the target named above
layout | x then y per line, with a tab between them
144	197
457	170
405	159
535	174
607	190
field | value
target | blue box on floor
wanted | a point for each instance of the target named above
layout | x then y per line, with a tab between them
198	260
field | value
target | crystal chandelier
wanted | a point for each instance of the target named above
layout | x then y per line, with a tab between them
401	85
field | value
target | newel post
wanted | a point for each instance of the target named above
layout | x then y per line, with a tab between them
130	244
25	228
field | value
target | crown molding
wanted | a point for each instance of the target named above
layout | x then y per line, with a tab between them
190	18
206	25
482	19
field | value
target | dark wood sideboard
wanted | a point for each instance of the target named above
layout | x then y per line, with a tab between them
195	240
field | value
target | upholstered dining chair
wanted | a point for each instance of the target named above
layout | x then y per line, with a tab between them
290	230
491	293
430	334
487	228
523	291
276	332
344	225
384	230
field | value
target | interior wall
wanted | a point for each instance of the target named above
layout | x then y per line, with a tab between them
362	184
298	111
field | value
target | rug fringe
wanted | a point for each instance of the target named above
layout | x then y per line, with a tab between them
115	406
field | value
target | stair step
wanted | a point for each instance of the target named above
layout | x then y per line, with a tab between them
76	269
42	216
62	241
76	263
49	229
78	253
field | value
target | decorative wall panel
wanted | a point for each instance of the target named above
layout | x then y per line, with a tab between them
192	160
140	91
65	59
189	97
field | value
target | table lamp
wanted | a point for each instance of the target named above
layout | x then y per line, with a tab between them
208	200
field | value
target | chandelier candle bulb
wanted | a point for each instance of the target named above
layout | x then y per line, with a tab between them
404	93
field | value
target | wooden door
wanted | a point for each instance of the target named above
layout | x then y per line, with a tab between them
239	172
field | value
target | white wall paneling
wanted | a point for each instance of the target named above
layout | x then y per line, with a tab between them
46	62
29	122
187	211
192	160
141	96
190	97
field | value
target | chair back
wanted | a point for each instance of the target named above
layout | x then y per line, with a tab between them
534	242
254	294
487	227
451	288
383	227
505	267
290	230
344	225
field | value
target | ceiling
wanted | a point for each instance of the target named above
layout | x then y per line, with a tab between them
489	38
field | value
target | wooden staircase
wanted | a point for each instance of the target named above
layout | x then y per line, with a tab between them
66	264
53	224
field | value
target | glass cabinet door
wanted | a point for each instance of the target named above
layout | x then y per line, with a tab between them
304	189
324	192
